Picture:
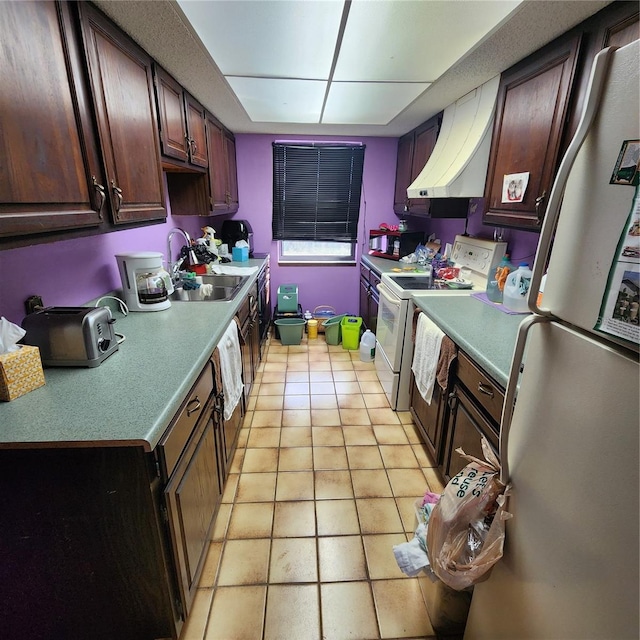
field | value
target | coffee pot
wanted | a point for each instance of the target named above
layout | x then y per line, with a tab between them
146	285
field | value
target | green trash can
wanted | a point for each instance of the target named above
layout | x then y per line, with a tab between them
291	330
332	329
350	326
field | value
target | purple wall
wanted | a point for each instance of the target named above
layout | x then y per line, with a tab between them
317	285
338	286
72	272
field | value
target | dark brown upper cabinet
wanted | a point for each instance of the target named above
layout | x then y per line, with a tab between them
414	149
214	192
50	174
532	105
181	122
222	168
121	79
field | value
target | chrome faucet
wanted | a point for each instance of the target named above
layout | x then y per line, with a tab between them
173	266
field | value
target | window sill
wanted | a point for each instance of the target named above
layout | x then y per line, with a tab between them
315	262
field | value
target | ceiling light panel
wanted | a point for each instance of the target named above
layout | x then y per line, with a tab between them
270	38
280	100
368	102
413	40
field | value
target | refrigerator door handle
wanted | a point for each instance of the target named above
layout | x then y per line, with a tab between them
511	391
597	81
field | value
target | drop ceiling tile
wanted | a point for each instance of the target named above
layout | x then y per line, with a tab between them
278	100
413	40
368	102
268	38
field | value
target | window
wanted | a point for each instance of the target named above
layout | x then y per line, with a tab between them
316	200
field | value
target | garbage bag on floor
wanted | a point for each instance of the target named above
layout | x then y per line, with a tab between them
465	536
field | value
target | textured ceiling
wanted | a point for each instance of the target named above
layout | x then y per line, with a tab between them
161	28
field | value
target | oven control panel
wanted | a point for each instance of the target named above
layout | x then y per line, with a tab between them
477	254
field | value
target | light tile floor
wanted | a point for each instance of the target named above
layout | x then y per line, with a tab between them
321	487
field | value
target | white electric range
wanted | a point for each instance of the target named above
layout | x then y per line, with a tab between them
475	257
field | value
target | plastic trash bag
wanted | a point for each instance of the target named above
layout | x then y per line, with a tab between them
465	537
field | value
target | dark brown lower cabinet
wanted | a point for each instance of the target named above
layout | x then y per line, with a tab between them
192	497
429	418
474	409
84	551
465	428
109	542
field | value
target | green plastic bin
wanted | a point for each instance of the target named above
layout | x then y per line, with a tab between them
350	326
332	329
291	330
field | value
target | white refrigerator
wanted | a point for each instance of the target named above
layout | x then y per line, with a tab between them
570	443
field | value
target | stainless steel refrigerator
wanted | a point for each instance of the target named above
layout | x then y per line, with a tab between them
570	443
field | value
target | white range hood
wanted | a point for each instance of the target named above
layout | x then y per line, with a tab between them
457	167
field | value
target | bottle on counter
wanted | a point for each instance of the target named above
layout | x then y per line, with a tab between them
516	289
498	278
367	346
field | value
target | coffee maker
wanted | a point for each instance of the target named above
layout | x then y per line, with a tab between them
146	285
234	230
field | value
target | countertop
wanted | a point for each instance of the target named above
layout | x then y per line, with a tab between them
132	396
485	333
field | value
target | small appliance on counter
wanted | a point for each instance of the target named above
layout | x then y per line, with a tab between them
393	244
71	336
146	285
234	230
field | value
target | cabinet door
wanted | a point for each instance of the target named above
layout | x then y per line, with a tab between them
466	426
197	137
364	300
403	174
425	141
264	303
217	165
122	83
429	418
171	116
531	110
50	174
192	498
374	300
232	178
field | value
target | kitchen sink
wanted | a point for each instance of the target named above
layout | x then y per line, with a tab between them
215	287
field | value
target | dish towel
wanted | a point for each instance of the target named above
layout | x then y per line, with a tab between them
426	355
448	353
232	271
231	366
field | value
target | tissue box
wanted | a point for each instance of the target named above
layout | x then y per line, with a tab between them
20	372
240	254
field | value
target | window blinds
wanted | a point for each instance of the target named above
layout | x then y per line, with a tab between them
316	191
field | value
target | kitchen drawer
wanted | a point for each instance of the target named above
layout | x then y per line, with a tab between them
174	442
364	272
484	390
374	278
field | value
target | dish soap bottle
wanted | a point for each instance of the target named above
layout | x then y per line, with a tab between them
516	290
498	278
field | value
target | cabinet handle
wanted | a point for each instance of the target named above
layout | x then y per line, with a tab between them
194	147
539	201
102	196
196	406
452	401
117	192
482	388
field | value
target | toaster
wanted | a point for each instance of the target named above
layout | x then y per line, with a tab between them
71	336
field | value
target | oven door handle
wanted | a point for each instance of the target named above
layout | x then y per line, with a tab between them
391	300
